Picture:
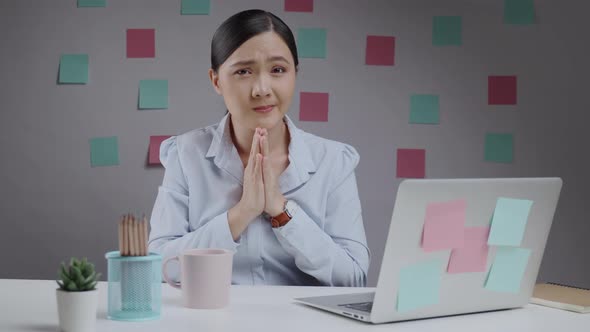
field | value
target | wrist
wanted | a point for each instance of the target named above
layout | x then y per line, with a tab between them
278	208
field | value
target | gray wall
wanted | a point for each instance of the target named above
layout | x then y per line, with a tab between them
54	205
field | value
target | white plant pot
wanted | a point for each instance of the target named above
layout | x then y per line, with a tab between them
77	310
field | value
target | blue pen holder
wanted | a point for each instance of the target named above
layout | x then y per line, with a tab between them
134	286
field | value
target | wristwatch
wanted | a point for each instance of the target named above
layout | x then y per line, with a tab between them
287	214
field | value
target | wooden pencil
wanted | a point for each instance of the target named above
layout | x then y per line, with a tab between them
120	232
145	234
125	235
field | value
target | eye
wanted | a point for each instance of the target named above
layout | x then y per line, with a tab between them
242	72
279	70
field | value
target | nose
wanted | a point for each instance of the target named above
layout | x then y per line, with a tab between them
261	87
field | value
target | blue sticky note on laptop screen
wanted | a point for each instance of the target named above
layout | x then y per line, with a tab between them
509	221
419	285
507	269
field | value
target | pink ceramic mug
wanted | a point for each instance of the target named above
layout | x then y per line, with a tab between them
205	277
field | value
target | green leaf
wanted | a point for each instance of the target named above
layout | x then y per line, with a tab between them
71	286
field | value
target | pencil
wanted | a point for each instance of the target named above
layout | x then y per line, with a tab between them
125	235
120	231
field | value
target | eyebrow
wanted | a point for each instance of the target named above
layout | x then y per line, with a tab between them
251	62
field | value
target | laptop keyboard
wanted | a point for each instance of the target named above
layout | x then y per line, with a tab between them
362	306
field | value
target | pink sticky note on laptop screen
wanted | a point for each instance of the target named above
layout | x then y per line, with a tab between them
444	225
502	90
473	257
154	153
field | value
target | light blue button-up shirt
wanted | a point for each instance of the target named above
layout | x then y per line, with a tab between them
323	244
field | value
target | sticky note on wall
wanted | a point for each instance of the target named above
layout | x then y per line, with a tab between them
509	221
304	6
424	109
499	147
92	3
419	285
314	106
195	7
153	94
311	42
411	163
141	43
507	269
473	256
154	149
519	11
380	51
104	151
73	69
447	31
502	90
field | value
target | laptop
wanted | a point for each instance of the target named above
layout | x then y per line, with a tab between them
419	280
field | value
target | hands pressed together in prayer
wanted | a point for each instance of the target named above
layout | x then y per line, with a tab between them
261	191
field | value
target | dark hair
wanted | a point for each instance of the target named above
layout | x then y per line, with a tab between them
240	27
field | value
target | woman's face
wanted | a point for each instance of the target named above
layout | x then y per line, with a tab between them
257	81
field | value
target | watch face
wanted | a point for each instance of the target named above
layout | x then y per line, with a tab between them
290	208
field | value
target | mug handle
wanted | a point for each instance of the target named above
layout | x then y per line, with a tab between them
166	278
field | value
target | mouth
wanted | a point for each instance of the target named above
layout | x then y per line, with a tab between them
264	109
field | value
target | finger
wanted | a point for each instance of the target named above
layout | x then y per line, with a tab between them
257	167
254	147
266	170
264	145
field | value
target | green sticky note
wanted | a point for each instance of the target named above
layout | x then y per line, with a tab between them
73	68
195	7
92	3
424	109
507	269
419	285
519	12
509	221
104	151
311	42
446	30
153	94
499	148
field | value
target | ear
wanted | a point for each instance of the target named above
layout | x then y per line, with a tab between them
214	77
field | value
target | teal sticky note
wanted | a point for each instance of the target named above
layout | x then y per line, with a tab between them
311	42
92	3
499	148
195	7
419	285
104	151
509	221
424	109
507	269
519	12
446	31
73	68
153	94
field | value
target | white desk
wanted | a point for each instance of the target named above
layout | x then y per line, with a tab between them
30	305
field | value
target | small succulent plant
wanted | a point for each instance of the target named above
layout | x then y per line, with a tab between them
78	276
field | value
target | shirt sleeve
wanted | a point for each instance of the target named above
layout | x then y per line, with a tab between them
169	224
336	255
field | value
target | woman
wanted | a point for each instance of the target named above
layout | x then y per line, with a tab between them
285	201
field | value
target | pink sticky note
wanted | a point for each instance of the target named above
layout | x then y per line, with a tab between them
502	90
299	6
154	154
141	43
380	51
473	257
313	106
444	225
411	163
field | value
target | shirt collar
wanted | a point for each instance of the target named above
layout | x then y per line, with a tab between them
225	155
